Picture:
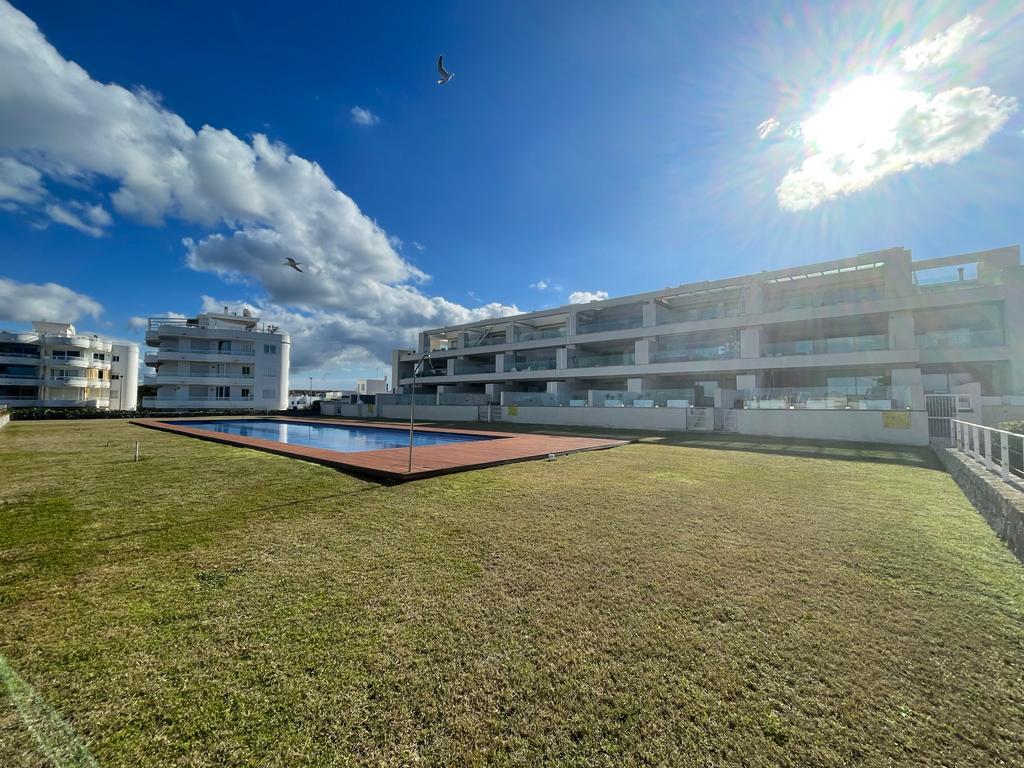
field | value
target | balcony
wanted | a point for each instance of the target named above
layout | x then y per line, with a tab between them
196	401
602	360
960	338
833	398
467	367
540	334
826	298
871	343
522	365
614	324
686	354
19	357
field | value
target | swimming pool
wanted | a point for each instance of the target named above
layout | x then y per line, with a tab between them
329	437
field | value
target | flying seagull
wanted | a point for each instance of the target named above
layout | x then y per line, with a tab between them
290	262
444	73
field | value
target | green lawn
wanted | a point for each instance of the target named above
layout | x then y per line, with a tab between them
704	603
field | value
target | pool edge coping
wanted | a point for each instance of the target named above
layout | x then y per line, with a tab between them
430	461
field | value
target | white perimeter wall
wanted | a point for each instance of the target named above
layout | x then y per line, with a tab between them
859	426
856	426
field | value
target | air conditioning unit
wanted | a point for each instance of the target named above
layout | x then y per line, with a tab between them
963	403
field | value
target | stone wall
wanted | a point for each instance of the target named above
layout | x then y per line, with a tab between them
1000	504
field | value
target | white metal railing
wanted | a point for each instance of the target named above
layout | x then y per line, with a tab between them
1000	451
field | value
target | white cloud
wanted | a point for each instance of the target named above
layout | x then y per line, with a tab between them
25	302
939	49
20	183
362	116
767	128
541	285
324	338
137	321
903	129
583	297
268	202
90	219
419	246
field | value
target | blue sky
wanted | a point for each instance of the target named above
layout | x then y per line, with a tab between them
582	146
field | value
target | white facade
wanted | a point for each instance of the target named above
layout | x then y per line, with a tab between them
371	386
217	361
874	332
54	366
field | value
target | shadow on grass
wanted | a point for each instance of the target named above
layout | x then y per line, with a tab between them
912	456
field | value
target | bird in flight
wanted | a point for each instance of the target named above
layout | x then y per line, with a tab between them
290	262
444	73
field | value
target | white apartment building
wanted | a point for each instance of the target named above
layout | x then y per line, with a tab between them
875	332
217	361
54	366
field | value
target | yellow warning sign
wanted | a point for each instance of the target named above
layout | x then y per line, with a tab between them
896	419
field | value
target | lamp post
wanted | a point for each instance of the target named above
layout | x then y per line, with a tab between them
412	403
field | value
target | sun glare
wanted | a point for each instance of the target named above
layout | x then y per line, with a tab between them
861	117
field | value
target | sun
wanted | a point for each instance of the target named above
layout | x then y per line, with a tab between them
861	117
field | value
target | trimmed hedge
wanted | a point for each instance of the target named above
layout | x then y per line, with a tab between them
35	414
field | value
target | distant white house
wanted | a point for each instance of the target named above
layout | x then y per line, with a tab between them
54	366
304	398
371	386
217	360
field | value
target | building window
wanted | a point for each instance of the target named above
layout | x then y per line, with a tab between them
245	393
270	371
246	370
270	349
223	393
99	357
267	393
223	346
115	376
115	359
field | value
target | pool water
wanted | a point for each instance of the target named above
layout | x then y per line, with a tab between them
330	437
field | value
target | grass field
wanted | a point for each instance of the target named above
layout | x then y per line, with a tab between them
706	603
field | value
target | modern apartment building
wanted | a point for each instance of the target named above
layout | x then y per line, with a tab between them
54	366
217	361
874	332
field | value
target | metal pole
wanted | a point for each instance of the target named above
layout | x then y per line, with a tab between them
412	414
412	404
136	450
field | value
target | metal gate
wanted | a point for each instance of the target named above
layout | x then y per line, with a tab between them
941	408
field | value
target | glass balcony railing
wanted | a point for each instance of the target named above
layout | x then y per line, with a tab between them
826	346
829	298
876	398
617	324
693	314
464	368
519	366
489	340
684	354
538	334
958	338
597	361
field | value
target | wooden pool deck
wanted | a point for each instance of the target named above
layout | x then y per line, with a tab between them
393	463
